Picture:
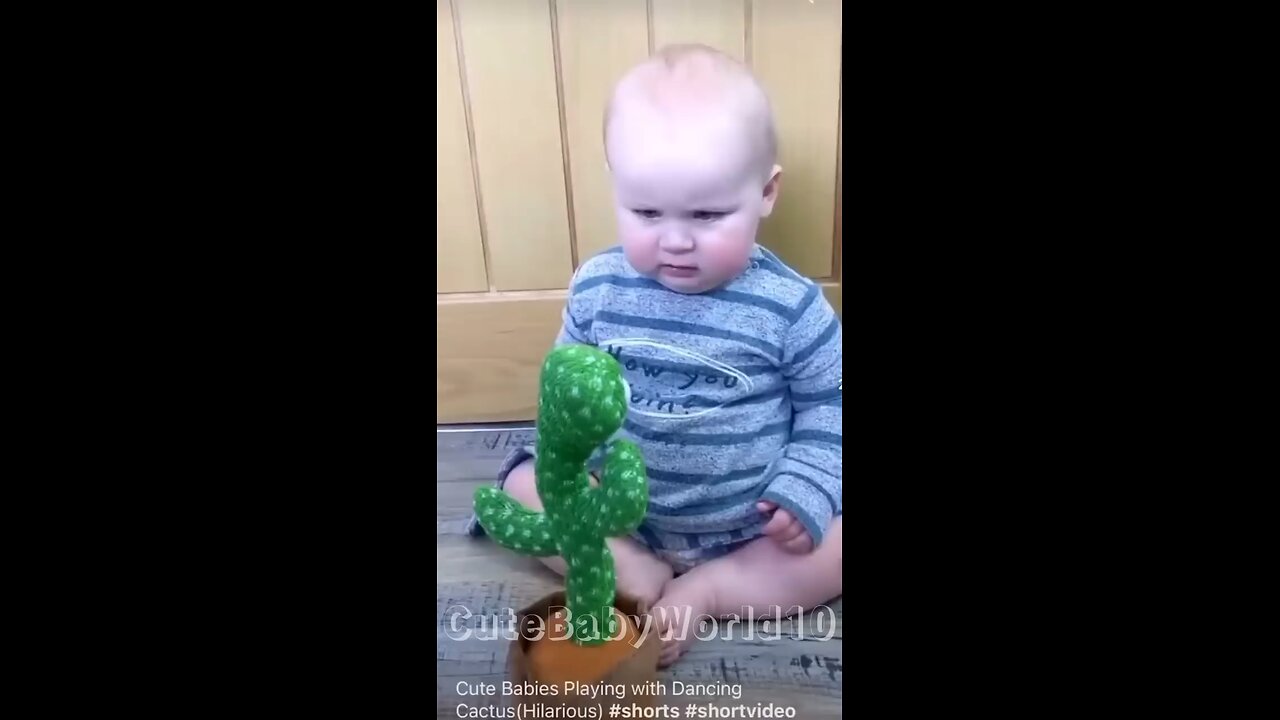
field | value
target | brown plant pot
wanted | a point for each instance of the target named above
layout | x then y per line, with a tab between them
554	671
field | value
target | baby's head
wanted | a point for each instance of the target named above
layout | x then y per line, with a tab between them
691	146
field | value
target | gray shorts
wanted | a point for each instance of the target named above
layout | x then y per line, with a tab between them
680	560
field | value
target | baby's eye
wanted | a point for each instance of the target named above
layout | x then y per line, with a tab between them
646	213
708	215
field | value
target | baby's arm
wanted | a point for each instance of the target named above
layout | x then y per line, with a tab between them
806	481
576	318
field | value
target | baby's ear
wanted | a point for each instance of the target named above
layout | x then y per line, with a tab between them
771	191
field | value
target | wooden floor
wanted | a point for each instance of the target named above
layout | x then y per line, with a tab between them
798	663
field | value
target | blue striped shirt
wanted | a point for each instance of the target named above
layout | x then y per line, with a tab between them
735	394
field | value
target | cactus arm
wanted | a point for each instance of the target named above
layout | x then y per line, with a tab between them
617	505
514	526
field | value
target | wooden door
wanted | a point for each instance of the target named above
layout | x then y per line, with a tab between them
522	194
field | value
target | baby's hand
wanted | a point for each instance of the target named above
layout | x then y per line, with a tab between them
785	530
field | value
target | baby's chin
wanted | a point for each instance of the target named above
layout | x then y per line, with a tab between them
686	283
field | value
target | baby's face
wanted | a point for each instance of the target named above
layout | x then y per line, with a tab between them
689	195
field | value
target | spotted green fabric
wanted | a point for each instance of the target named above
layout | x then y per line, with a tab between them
582	402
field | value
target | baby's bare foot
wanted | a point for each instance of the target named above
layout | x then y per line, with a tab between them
684	605
641	577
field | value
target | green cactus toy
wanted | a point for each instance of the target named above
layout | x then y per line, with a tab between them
582	402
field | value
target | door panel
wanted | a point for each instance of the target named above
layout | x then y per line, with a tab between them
515	113
459	251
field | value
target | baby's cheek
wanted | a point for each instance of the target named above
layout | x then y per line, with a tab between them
732	247
641	251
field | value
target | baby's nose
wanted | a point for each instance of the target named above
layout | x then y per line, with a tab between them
676	240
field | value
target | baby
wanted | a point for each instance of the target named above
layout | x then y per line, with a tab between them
732	358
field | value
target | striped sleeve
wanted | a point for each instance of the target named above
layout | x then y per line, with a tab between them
806	480
577	317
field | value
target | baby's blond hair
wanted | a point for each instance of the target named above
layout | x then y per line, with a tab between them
695	74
